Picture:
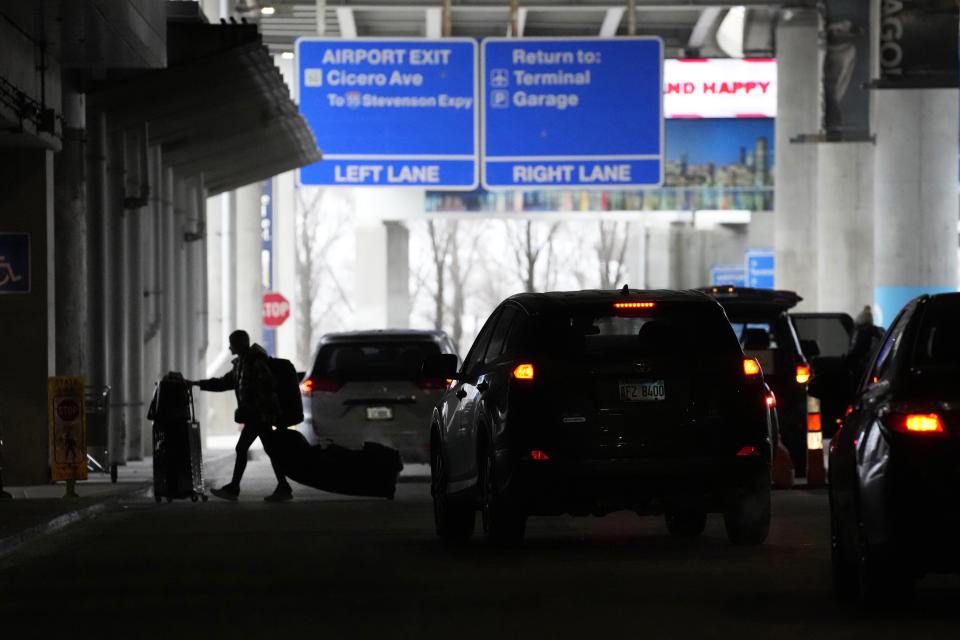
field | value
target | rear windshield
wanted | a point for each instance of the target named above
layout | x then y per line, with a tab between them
373	360
696	333
938	342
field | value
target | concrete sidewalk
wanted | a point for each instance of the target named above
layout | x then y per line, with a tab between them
42	509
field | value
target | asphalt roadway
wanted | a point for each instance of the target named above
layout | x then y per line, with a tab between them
336	567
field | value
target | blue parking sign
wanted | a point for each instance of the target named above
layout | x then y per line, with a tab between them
759	266
391	112
572	112
729	274
14	263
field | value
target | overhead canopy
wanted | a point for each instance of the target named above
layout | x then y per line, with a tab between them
221	107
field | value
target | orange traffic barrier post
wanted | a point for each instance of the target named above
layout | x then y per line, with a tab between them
783	471
816	471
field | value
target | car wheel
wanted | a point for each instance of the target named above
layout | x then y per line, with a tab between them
747	519
686	522
843	568
454	520
503	523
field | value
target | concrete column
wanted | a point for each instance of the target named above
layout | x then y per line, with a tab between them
249	300
795	226
152	252
27	319
113	302
381	285
915	186
181	314
285	261
134	409
844	225
96	205
70	233
168	316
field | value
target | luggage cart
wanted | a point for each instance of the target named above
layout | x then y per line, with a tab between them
177	455
98	432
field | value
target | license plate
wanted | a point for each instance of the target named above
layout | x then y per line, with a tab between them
379	413
643	391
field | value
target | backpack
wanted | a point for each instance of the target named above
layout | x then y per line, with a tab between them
288	392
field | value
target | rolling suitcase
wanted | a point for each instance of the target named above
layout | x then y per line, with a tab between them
370	471
177	457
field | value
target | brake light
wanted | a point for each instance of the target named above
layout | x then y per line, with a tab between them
747	451
432	384
813	422
751	367
771	401
523	372
919	423
634	305
803	373
328	385
539	455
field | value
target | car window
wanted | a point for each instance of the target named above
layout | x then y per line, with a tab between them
500	332
381	360
759	341
938	339
891	344
518	335
479	348
830	331
692	333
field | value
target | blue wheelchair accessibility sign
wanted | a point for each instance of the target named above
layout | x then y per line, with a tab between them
14	263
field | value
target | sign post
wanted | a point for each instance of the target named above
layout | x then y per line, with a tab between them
574	112
276	309
391	113
68	431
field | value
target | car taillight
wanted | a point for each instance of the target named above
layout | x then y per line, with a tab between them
747	451
328	385
813	422
634	305
751	367
771	401
433	384
803	374
539	455
523	372
915	423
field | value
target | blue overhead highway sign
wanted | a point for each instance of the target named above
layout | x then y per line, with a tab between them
391	112
574	112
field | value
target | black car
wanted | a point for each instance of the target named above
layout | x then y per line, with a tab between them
766	332
895	462
589	402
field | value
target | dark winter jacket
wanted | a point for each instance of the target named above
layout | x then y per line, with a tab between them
254	384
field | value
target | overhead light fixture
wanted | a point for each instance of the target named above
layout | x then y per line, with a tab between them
287	55
267	11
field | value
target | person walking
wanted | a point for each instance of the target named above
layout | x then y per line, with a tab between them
258	408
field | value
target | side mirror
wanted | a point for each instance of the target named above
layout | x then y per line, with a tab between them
443	365
810	348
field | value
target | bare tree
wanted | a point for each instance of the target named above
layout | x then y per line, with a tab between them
461	264
527	250
612	252
441	239
320	290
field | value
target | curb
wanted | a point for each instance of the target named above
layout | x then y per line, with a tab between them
12	542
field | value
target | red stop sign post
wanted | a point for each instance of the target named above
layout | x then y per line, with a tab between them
276	309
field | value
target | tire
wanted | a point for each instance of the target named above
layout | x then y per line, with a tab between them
843	568
686	522
454	520
503	522
747	518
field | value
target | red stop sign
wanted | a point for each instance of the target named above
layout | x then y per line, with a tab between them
276	309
